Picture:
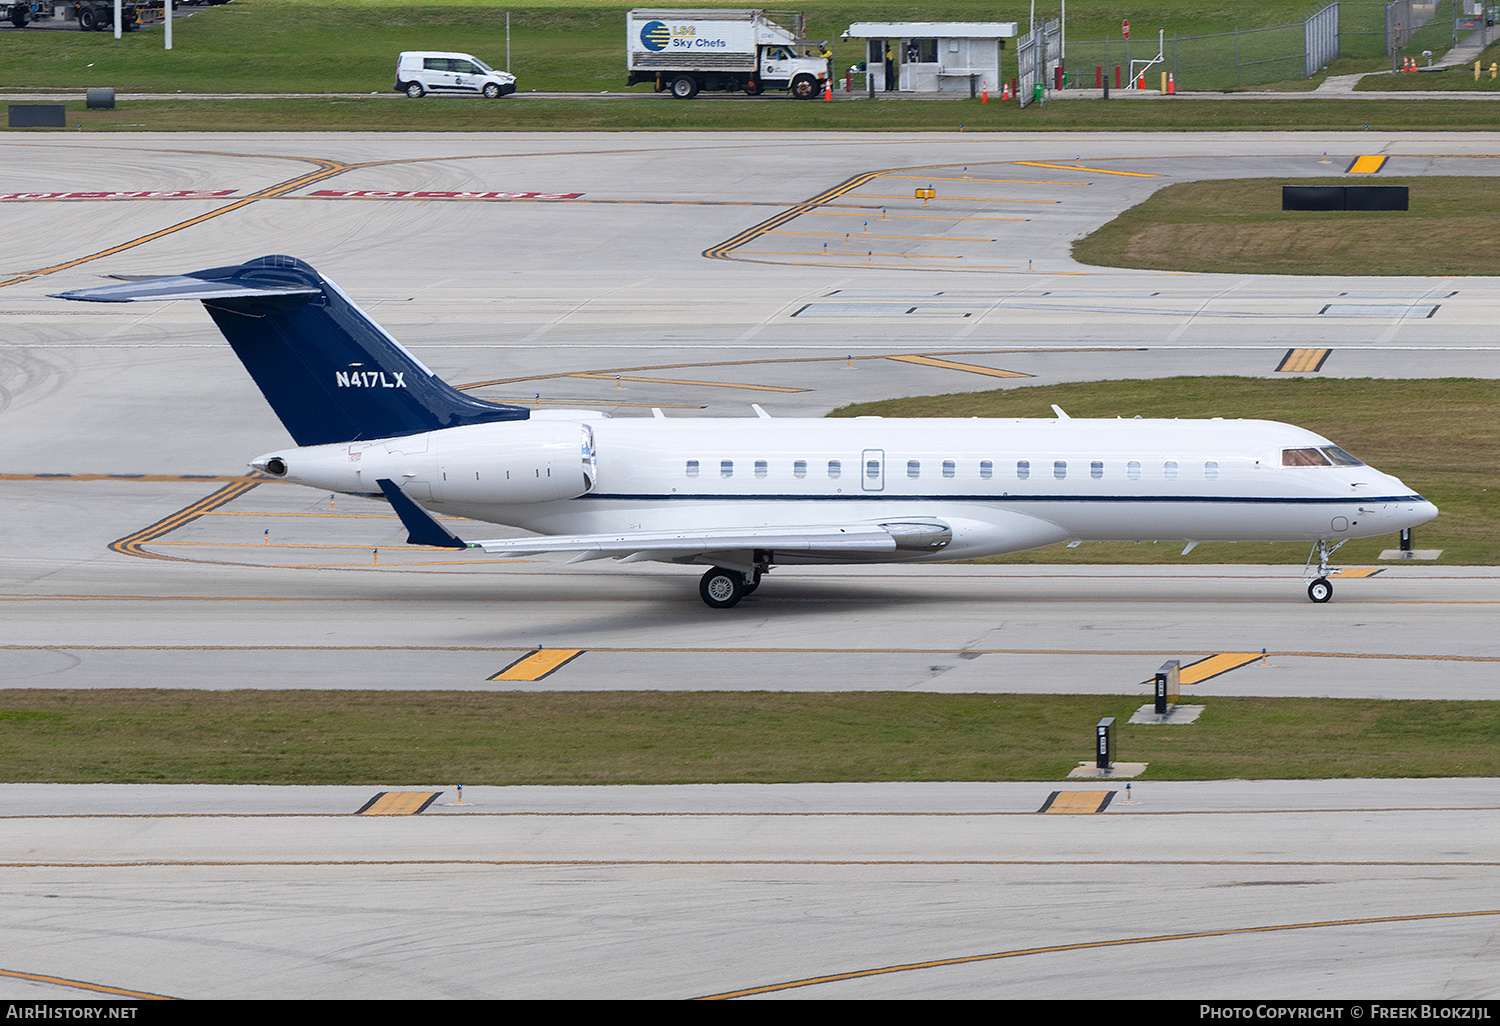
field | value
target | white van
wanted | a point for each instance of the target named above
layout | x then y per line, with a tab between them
419	72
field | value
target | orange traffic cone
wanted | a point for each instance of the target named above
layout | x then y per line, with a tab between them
828	90
1171	85
1005	92
984	94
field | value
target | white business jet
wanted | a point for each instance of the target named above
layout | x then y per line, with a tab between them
743	495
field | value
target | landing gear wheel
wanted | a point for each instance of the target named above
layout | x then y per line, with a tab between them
684	87
491	91
804	87
1320	590
721	588
754	583
415	90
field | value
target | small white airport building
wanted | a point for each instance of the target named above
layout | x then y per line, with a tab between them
933	56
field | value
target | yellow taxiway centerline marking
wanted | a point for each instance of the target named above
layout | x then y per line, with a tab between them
1001	181
855	236
676	381
917	217
928	361
535	665
97	988
974	199
1095	170
1090	945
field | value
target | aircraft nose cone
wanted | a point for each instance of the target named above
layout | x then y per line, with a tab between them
1410	514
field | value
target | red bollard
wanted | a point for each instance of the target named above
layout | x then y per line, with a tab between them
1098	76
1117	76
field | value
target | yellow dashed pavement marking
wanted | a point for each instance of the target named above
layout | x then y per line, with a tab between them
398	803
1366	165
1357	571
1303	361
928	361
1076	803
534	666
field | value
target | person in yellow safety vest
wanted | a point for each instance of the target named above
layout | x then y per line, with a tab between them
890	69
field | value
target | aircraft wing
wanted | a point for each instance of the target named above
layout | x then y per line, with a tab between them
869	538
918	535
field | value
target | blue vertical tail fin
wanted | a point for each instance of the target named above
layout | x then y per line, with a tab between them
329	372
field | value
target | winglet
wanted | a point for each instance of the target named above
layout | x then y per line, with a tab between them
421	529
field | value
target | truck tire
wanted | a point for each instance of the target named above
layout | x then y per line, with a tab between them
684	87
754	88
415	90
491	91
88	21
19	16
804	87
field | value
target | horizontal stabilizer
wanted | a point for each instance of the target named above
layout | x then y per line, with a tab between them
421	529
184	286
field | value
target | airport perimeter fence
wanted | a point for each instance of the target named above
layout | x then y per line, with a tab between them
1279	53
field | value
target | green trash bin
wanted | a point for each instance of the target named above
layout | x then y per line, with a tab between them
1036	91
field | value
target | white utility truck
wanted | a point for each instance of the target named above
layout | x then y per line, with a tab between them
722	51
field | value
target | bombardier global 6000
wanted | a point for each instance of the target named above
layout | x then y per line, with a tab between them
741	495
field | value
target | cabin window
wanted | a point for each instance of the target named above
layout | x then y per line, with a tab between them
1211	470
872	469
1060	469
1096	469
1308	457
1169	470
1339	457
986	470
692	468
799	469
913	468
835	468
949	468
726	468
761	467
1133	470
1023	469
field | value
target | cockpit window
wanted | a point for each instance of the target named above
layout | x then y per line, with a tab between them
1339	457
1308	457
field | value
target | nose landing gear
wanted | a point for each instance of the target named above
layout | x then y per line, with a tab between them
1320	590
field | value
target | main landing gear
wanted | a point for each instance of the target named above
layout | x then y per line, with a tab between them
722	588
1320	590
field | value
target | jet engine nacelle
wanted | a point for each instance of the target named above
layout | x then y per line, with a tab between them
514	463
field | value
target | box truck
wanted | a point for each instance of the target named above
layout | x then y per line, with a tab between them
686	51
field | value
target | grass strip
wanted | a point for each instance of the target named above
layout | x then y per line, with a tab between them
1237	226
391	738
389	113
1441	436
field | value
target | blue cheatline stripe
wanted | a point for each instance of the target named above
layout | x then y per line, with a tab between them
1007	499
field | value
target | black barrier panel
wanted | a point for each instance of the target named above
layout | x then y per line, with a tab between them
100	98
1375	197
1344	197
38	115
1312	197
